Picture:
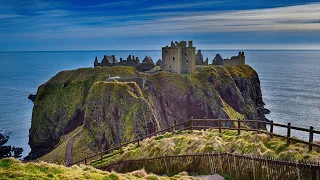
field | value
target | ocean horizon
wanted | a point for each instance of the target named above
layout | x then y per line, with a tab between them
290	83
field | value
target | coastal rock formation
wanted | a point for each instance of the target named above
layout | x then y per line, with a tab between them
32	97
120	112
111	113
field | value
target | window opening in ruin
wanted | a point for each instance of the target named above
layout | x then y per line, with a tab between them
173	58
166	51
185	54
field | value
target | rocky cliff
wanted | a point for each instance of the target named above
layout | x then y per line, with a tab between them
113	112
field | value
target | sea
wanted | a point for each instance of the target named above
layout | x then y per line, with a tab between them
290	82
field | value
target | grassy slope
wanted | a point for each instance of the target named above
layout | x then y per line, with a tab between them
14	169
79	150
211	141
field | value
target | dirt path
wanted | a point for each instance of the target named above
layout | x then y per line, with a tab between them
211	177
68	159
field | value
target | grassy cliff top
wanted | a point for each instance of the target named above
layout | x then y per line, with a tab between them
210	141
14	169
98	73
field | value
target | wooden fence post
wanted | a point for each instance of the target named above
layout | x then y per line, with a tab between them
288	134
219	125
101	155
191	125
310	138
314	172
205	123
238	126
138	141
271	129
85	160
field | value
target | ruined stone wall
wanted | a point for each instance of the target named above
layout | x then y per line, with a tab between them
232	62
171	59
188	60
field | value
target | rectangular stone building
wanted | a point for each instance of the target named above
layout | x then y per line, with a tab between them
178	58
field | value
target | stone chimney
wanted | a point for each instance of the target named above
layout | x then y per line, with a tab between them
190	44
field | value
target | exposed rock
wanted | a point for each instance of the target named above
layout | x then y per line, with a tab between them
32	97
114	112
120	112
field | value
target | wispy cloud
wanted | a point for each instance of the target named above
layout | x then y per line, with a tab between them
186	5
55	21
109	4
10	16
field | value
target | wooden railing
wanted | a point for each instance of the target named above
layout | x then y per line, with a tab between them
220	124
226	164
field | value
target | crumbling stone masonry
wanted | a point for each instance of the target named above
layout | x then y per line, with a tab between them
178	58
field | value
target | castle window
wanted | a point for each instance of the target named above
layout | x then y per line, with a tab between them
169	66
185	54
173	58
166	51
187	61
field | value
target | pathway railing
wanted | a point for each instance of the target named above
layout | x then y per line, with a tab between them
220	124
227	164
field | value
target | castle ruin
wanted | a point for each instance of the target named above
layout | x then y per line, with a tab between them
109	61
234	61
178	58
199	59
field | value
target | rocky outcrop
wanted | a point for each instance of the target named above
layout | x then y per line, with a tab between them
120	112
114	112
32	97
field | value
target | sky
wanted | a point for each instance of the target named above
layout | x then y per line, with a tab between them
44	25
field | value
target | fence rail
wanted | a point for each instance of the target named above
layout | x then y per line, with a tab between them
220	124
227	164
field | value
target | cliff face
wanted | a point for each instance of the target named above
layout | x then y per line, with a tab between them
114	112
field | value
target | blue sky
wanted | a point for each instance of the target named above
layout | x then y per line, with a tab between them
149	24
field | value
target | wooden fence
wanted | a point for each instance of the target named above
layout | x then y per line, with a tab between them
220	124
226	164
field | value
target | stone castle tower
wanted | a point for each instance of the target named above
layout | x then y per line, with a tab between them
178	58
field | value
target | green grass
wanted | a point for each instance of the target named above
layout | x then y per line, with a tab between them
14	169
210	141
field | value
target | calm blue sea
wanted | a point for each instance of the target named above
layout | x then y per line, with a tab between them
290	83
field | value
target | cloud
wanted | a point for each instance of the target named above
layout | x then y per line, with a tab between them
116	3
10	16
59	23
186	5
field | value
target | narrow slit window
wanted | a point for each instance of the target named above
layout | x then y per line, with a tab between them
173	58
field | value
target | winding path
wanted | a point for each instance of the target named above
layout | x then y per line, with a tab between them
68	158
211	177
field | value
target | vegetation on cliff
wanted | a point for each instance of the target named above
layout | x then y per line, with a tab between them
59	105
210	141
14	169
110	113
